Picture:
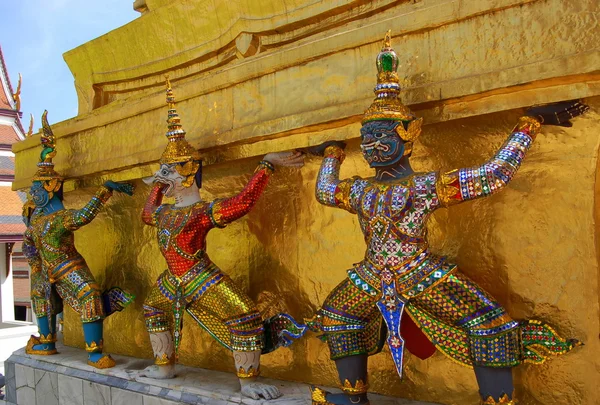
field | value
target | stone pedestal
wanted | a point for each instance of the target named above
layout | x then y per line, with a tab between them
66	379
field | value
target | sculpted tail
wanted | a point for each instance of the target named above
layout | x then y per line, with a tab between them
280	331
116	300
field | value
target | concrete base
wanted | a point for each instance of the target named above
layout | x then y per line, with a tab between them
13	335
66	379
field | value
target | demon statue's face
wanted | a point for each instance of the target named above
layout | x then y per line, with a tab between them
39	195
168	175
381	145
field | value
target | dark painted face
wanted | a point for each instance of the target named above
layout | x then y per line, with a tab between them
381	145
39	195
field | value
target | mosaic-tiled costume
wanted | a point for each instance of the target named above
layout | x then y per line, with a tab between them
399	276
192	282
399	273
58	271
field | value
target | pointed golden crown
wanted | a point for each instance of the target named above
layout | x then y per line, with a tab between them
178	150
45	173
387	104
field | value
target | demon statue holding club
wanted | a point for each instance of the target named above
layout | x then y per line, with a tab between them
192	282
399	276
58	272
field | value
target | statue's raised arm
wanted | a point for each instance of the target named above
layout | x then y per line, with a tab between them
480	181
78	218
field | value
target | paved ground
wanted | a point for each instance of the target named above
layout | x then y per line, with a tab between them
13	336
71	373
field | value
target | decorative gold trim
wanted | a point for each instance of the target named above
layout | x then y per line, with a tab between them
34	340
342	195
250	373
447	188
104	362
413	131
104	194
163	360
49	338
217	215
94	347
503	400
268	166
529	124
30	130
360	388
318	397
17	95
335	151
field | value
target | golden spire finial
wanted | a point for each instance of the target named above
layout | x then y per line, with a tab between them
169	89
17	96
30	130
387	41
387	105
48	141
173	120
179	150
51	180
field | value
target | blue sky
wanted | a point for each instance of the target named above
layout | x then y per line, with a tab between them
35	33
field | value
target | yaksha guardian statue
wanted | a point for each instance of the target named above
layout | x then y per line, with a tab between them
399	276
192	282
58	271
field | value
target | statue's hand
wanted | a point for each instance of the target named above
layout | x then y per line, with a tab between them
255	390
558	113
319	150
126	188
286	159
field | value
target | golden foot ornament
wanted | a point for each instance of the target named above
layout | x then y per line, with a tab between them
503	400
318	397
103	362
34	341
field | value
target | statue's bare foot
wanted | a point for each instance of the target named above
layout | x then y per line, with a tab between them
255	390
158	372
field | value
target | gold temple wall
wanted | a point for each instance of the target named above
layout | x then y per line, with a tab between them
469	65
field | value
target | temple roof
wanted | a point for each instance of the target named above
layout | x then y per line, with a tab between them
8	106
11	131
7	165
10	212
8	135
6	100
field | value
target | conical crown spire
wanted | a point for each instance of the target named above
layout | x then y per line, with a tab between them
175	130
45	173
178	149
387	105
